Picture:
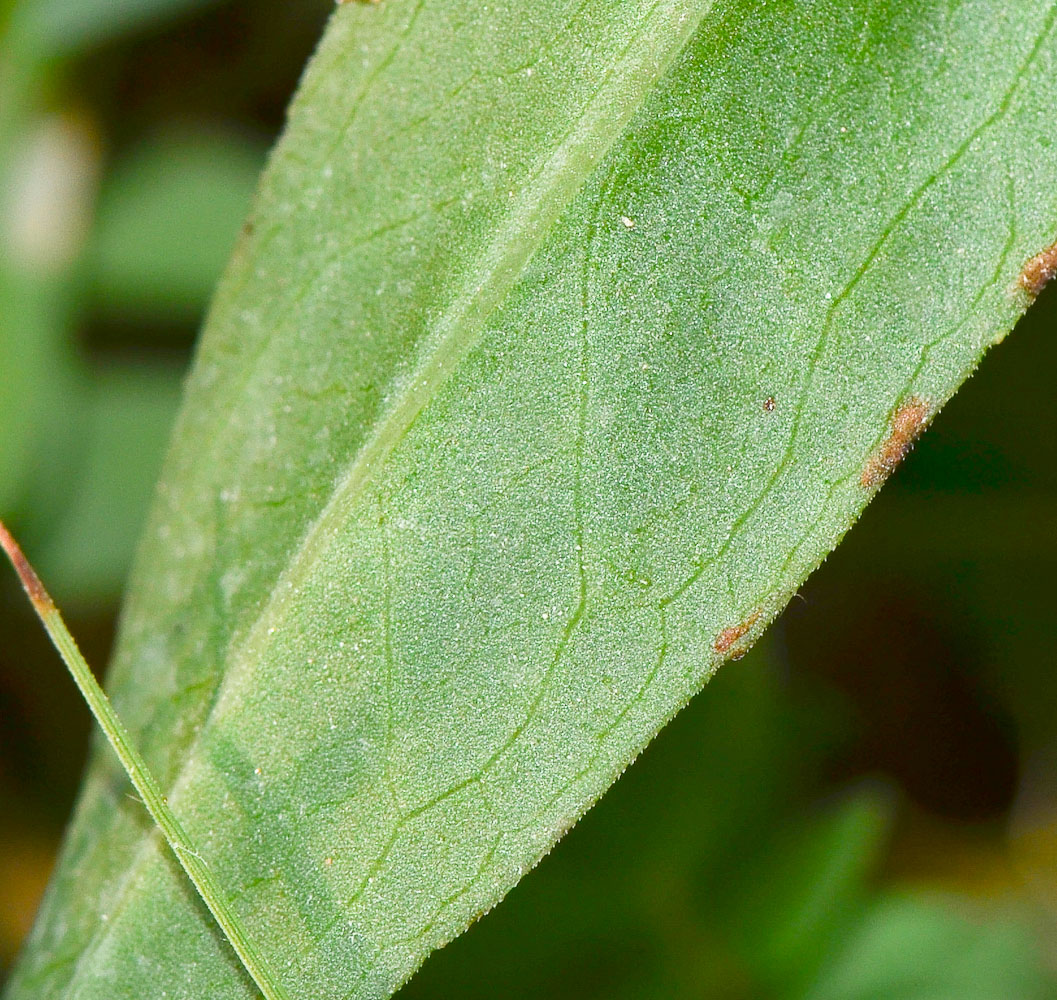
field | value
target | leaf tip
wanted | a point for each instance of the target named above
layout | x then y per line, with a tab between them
30	581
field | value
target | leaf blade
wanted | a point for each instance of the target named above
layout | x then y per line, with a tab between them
512	558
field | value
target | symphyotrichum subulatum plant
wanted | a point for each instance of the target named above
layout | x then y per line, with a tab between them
562	342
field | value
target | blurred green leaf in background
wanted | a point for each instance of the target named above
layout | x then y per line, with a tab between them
865	807
64	28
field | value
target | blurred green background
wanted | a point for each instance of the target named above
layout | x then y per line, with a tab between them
864	807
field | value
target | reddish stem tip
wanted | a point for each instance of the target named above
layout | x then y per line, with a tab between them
30	581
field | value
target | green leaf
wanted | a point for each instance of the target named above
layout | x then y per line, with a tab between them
915	949
63	27
568	339
27	354
805	888
128	414
166	222
39	401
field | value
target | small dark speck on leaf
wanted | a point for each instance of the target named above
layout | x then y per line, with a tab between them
1038	272
908	421
726	639
769	404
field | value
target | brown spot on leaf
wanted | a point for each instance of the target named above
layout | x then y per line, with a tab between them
908	421
1038	272
726	639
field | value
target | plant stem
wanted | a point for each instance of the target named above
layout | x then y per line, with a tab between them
138	773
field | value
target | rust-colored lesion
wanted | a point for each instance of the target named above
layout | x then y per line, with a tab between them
908	422
728	639
1038	272
30	581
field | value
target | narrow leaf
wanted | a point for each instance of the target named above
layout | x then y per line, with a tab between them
136	769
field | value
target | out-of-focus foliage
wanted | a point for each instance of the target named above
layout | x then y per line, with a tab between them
165	225
127	411
64	27
103	246
816	827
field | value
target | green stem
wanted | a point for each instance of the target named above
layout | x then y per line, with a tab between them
140	775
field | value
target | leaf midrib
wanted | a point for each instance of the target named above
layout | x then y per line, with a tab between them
635	72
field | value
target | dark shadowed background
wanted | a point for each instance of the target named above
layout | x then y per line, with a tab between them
864	807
